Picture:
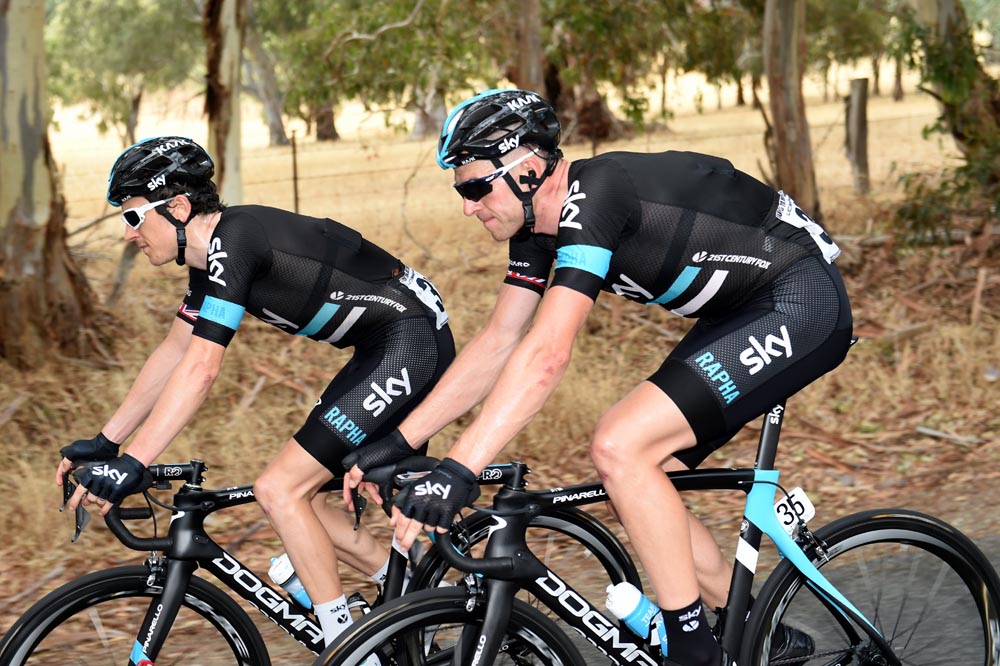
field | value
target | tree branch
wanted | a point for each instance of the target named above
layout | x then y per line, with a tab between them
348	36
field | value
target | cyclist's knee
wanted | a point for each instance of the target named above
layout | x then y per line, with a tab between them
275	495
607	452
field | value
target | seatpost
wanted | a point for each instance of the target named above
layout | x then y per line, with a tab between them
741	583
767	448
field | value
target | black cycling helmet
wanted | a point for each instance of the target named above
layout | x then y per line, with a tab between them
493	123
155	163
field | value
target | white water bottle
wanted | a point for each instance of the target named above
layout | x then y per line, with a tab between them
636	612
282	573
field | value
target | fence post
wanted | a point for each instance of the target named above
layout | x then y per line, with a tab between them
857	134
295	172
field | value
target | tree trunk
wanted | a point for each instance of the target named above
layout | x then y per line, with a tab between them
225	24
326	130
785	61
429	111
45	302
266	86
856	136
897	80
530	59
969	99
133	118
741	99
876	72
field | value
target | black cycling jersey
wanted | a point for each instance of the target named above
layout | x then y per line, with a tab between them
318	278
305	275
692	234
685	231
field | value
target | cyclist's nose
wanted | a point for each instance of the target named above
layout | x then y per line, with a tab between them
470	207
130	234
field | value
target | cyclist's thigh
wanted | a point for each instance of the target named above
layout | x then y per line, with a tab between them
731	370
385	379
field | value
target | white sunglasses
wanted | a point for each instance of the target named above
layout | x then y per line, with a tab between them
134	217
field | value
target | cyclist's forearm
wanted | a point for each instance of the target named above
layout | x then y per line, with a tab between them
145	390
463	386
181	398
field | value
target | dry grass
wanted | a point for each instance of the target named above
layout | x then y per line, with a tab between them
851	438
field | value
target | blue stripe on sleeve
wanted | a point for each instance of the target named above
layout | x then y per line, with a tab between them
222	312
320	319
589	258
682	282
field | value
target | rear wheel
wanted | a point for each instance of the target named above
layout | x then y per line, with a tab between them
437	627
96	619
928	590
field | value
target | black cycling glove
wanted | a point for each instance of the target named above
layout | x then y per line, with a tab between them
388	450
435	499
82	450
115	479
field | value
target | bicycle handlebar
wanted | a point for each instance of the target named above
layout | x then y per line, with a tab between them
501	568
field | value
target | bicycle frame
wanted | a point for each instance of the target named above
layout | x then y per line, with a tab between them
186	547
508	564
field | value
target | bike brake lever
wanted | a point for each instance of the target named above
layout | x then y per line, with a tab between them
82	515
360	504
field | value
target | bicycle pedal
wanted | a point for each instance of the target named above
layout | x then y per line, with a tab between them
357	600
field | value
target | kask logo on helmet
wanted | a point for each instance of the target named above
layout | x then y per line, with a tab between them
172	144
516	104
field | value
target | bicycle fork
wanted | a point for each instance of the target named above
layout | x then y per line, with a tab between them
161	613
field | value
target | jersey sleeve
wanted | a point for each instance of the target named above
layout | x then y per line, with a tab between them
600	207
237	252
191	305
530	262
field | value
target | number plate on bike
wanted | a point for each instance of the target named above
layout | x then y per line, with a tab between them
794	508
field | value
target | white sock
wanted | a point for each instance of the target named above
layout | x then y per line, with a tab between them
380	575
334	617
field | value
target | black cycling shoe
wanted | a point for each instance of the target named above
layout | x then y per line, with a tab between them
791	646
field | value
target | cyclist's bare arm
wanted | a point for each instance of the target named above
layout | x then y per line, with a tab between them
145	390
470	376
184	392
475	370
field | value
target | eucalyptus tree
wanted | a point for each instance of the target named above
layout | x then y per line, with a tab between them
109	54
45	302
722	40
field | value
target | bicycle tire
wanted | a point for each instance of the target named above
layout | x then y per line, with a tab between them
942	594
423	628
596	539
42	634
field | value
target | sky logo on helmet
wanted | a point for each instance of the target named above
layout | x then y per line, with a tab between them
155	182
516	104
509	144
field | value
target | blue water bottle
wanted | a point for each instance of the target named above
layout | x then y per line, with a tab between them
282	573
642	617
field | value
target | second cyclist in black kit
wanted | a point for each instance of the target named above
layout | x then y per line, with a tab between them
683	231
307	276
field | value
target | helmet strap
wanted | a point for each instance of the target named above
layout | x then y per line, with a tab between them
181	235
533	182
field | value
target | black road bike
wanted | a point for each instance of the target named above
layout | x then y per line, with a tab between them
161	612
877	588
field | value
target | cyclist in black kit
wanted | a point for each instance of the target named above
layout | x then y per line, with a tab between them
685	231
306	276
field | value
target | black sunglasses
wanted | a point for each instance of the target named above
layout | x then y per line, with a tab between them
475	189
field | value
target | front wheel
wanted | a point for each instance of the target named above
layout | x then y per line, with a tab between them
927	589
437	627
95	619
